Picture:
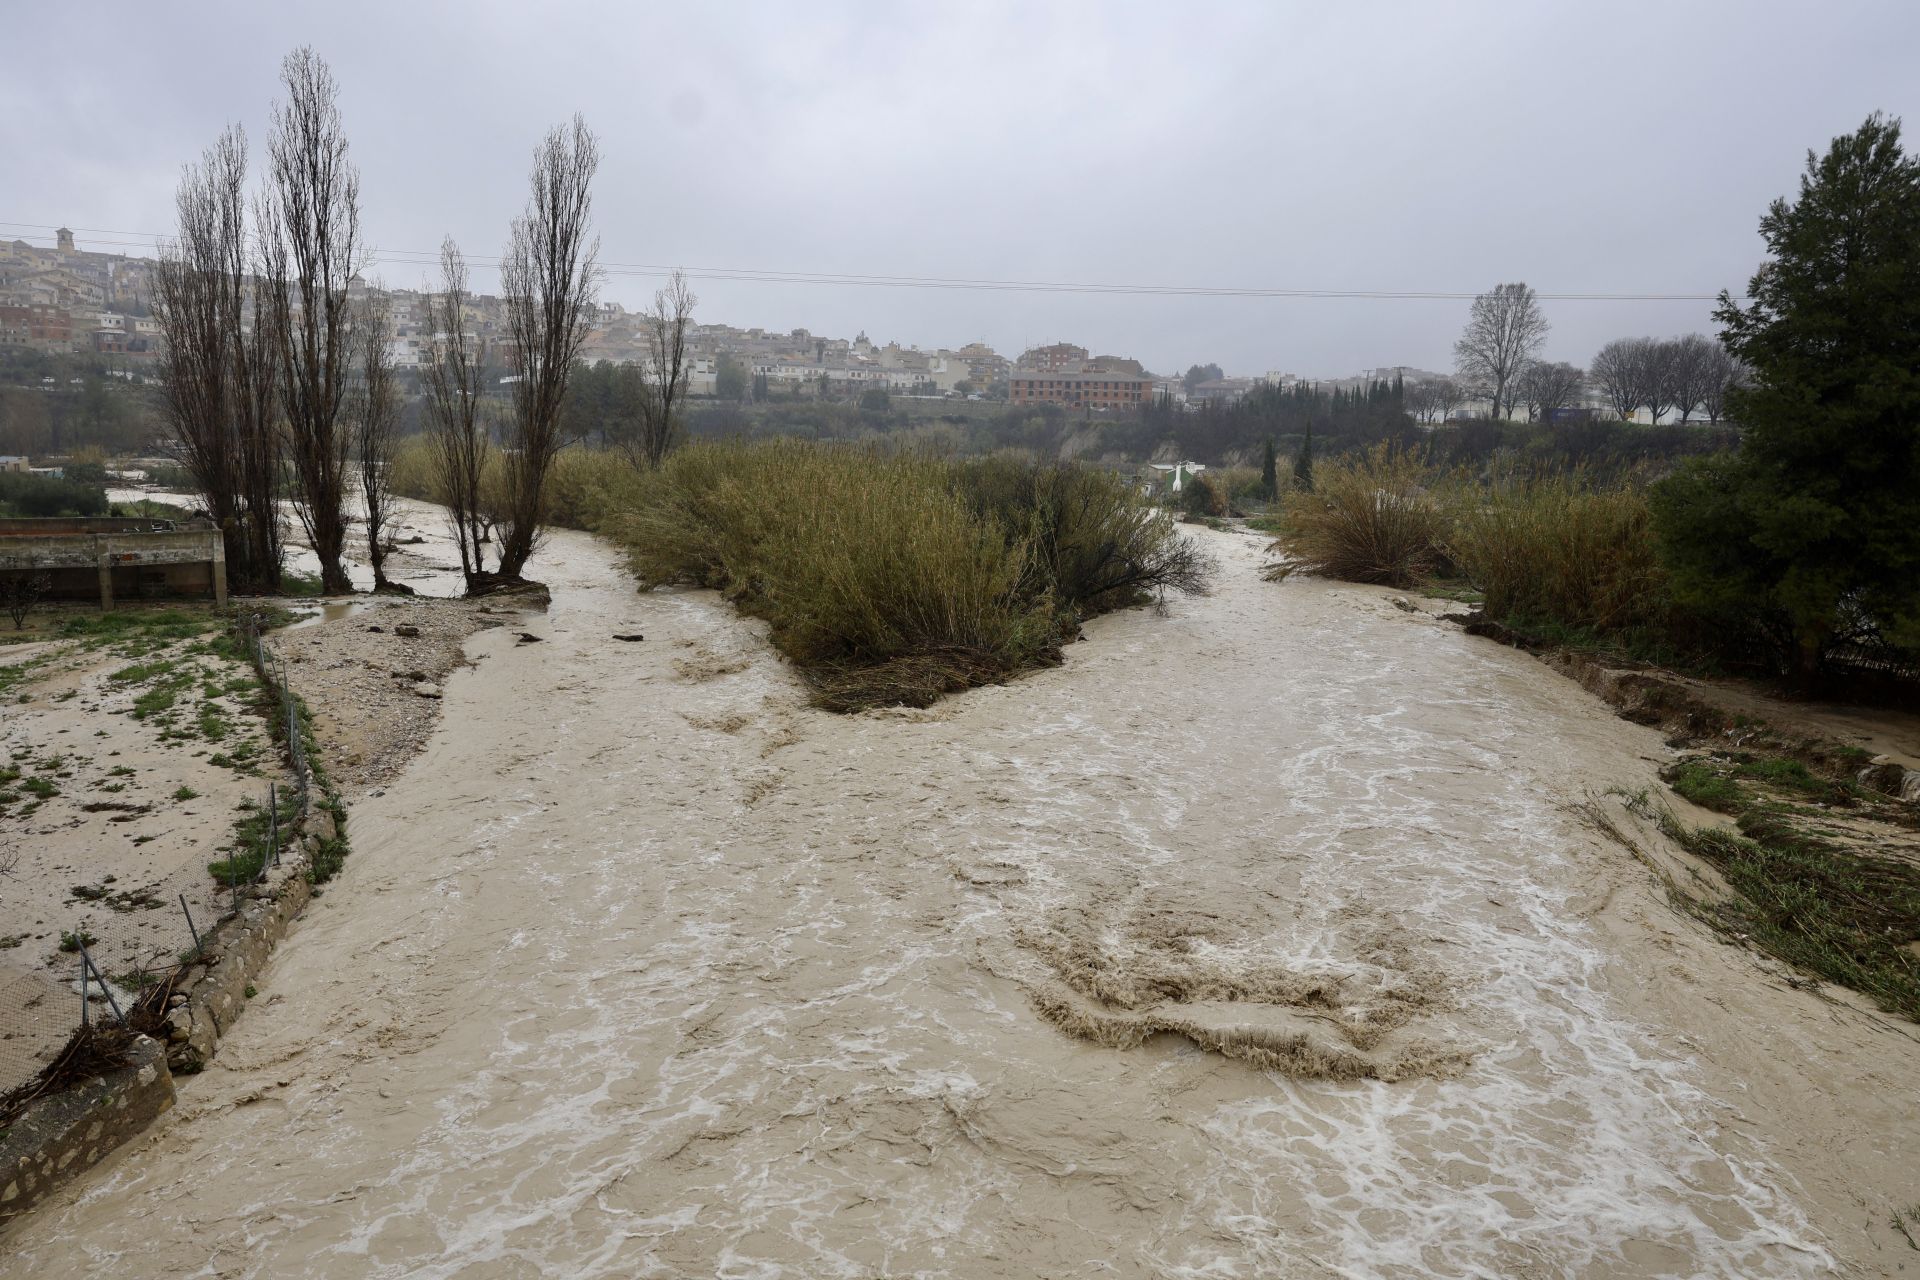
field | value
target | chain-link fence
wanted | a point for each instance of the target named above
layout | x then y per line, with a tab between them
122	945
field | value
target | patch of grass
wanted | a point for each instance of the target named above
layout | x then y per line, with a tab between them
240	866
40	788
1695	779
184	794
141	672
212	725
149	624
330	858
1788	774
158	699
1817	905
301	585
1456	589
71	942
15	674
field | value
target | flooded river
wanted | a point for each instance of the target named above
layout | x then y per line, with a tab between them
1259	940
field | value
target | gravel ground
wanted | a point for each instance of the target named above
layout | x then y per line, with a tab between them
371	672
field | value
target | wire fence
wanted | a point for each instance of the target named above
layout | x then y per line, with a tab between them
125	945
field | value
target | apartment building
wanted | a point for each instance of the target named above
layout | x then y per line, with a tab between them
1081	389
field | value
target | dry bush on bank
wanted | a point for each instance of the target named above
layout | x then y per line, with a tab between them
1372	518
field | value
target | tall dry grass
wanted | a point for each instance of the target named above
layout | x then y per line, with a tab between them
1374	518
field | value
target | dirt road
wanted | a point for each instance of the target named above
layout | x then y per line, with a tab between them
1261	939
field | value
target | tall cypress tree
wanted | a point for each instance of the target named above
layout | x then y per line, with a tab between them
1269	473
1303	462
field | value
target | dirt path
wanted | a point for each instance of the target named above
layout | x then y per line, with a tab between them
644	968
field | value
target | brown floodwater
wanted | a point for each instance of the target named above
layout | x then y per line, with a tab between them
1254	941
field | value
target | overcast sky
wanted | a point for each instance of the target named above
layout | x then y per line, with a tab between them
1595	147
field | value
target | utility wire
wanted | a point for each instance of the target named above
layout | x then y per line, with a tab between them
753	275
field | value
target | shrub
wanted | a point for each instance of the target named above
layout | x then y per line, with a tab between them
23	493
898	577
1096	545
1552	549
1203	497
1371	518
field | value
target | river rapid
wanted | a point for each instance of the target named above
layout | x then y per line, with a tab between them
1258	940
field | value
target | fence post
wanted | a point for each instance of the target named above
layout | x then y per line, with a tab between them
86	963
190	929
273	821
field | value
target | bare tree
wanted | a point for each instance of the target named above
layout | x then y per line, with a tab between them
23	587
1504	330
217	377
1616	371
456	426
668	369
1724	374
548	281
1696	364
373	410
1448	395
191	297
1418	401
1654	361
1549	385
260	442
309	219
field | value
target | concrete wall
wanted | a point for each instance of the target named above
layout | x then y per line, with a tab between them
125	563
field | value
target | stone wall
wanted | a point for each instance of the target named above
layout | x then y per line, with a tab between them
64	1134
61	1136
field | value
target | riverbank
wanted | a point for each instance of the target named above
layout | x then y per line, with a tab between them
646	965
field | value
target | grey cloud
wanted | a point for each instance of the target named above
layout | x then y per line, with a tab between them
1592	147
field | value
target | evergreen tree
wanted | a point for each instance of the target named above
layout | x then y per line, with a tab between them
1303	462
1813	528
1269	473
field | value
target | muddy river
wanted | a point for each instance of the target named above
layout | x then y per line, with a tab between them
1261	939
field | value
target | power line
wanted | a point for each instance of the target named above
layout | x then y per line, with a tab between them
755	275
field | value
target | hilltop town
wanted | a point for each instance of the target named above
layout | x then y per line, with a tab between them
63	299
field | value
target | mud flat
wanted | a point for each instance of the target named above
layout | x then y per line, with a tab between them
1265	938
